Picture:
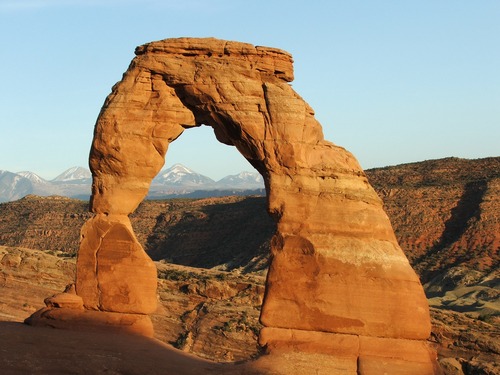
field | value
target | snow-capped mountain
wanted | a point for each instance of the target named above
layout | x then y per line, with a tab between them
13	186
74	182
246	180
33	177
176	181
179	175
74	175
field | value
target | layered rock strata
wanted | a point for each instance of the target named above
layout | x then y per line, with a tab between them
336	268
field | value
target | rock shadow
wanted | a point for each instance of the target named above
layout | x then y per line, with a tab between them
467	208
39	350
226	235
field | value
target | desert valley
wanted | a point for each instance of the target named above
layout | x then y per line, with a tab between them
212	256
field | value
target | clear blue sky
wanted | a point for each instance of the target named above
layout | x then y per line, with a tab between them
392	81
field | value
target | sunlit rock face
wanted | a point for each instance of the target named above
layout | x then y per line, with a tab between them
113	271
336	270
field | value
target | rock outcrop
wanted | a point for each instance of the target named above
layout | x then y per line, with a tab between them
336	272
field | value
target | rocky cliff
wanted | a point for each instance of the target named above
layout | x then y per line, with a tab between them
445	214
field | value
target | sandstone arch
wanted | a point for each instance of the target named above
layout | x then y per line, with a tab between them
338	283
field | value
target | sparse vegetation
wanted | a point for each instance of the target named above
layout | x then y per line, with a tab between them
491	318
181	341
181	275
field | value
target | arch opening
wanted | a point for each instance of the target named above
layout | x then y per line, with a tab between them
199	149
225	242
233	237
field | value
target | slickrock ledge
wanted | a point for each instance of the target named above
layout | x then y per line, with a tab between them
336	266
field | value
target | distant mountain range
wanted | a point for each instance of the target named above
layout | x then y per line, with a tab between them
176	181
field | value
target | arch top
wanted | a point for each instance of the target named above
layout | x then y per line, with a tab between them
240	90
274	61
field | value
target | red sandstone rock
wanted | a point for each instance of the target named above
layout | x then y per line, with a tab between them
336	266
65	300
89	320
353	354
349	273
113	271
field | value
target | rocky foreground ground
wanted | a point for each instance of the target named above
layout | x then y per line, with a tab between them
211	314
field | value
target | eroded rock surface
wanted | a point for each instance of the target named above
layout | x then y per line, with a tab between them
113	272
336	266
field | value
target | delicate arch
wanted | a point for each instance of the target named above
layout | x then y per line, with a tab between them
336	268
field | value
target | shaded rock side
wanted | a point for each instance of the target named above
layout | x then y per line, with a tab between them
336	265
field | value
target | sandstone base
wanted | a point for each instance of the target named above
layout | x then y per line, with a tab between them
89	320
66	311
307	352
